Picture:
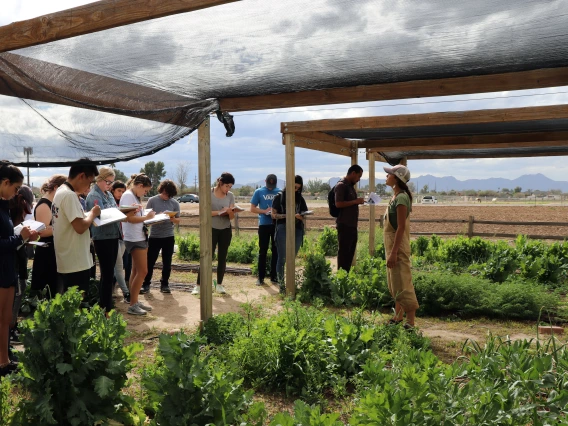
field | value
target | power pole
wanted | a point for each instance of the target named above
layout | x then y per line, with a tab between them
195	183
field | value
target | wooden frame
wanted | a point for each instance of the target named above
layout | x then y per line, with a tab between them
93	17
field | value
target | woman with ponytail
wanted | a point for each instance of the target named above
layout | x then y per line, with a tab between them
397	246
44	272
11	179
136	239
222	204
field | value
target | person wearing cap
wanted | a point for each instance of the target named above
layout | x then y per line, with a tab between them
20	206
397	246
347	202
261	203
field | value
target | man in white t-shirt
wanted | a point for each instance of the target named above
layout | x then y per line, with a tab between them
71	235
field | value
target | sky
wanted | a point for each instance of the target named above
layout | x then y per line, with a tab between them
256	147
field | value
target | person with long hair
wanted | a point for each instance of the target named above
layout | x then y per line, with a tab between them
105	238
136	239
44	271
123	260
20	206
279	215
11	179
162	234
397	246
222	204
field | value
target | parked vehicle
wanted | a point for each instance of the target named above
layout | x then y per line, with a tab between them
428	199
188	198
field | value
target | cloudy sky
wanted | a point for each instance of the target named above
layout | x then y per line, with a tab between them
256	148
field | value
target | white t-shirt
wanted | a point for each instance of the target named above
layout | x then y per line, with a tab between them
72	250
133	232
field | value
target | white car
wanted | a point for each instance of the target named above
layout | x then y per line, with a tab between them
428	199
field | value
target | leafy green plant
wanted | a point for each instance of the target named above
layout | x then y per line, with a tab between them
419	245
5	408
188	247
221	329
328	241
306	415
243	250
316	280
75	365
186	389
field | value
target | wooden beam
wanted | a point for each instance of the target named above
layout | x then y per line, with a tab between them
290	218
372	207
205	226
432	119
320	136
98	16
434	156
547	77
42	81
508	140
323	146
376	155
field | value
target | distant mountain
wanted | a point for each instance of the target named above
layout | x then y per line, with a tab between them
281	184
447	183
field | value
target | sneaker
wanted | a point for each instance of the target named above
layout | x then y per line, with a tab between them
259	282
9	368
135	310
165	289
145	289
220	289
147	308
127	298
274	281
196	291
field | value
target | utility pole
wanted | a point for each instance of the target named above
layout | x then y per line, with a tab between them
28	151
195	183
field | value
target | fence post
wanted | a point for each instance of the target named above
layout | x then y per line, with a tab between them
470	227
381	219
237	224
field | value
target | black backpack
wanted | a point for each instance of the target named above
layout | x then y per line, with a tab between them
333	210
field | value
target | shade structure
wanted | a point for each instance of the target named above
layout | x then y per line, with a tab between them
254	54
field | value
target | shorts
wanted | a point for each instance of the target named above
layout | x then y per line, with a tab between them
7	284
133	245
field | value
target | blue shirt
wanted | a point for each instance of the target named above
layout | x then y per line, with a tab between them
262	198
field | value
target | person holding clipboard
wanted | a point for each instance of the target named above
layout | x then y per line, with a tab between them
222	206
136	239
162	234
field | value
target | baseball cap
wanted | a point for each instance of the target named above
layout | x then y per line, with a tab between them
28	196
271	181
399	171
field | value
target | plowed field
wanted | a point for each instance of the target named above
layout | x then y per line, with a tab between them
513	213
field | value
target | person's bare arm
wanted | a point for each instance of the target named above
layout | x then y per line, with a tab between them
43	215
254	209
80	225
343	204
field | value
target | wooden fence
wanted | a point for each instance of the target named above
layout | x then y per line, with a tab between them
470	226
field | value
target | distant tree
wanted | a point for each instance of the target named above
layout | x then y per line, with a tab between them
517	189
118	175
325	188
505	190
425	189
412	187
182	172
313	186
443	193
381	189
244	191
556	191
470	192
156	172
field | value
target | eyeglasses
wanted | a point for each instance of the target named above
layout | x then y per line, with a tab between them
109	182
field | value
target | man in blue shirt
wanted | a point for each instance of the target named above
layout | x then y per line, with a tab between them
261	203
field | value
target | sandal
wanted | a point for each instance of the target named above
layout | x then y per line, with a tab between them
408	327
392	321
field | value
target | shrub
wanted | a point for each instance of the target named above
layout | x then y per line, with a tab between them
185	389
316	281
243	250
221	329
420	245
465	251
188	247
75	365
305	414
328	242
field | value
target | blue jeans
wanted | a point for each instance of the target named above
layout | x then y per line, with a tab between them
281	247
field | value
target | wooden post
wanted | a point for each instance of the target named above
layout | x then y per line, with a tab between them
237	224
381	220
205	227
372	206
470	227
354	160
290	217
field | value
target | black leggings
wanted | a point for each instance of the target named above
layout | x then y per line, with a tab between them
106	250
166	244
223	237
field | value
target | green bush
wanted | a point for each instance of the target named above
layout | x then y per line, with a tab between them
188	247
327	242
316	279
186	389
465	251
442	293
221	329
306	415
243	250
420	245
75	365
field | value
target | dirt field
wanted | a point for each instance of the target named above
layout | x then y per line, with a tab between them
515	213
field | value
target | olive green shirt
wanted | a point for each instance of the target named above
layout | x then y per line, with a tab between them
401	199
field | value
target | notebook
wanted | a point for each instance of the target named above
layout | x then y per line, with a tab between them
108	216
162	217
